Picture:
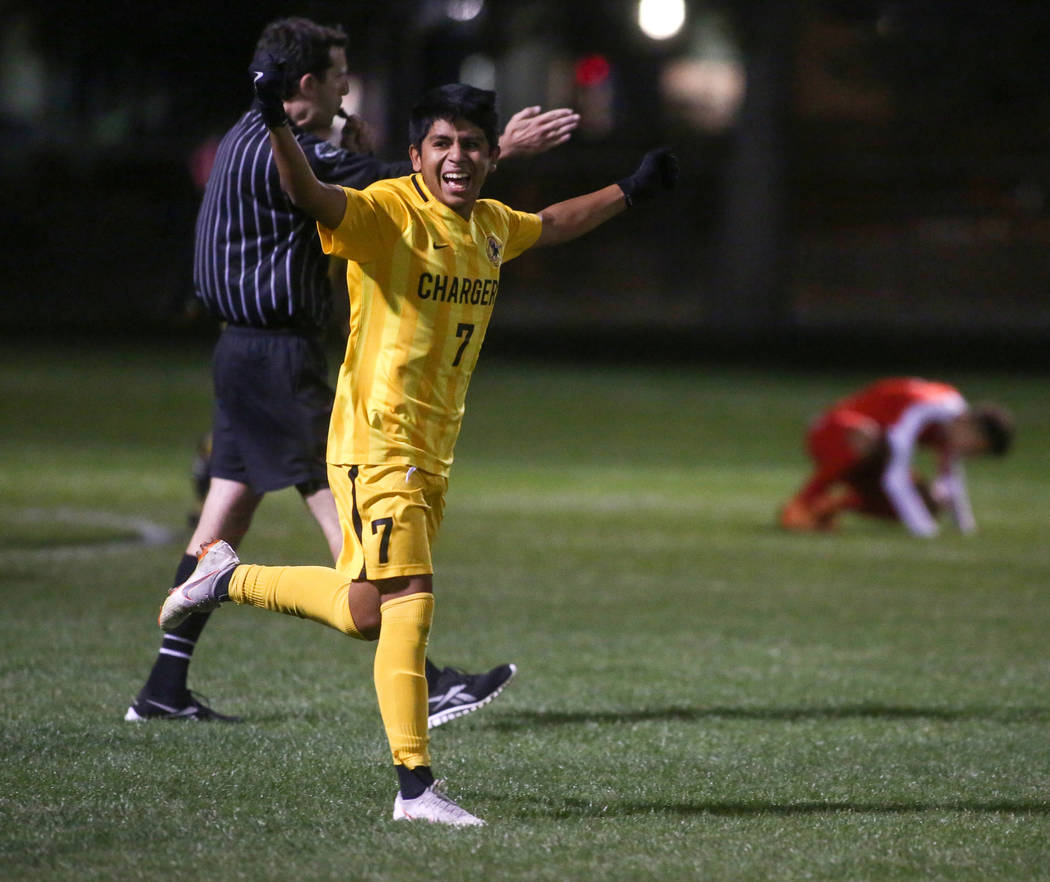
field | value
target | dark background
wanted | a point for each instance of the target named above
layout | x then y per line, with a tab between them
880	186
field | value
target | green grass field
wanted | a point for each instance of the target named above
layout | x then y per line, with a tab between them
700	696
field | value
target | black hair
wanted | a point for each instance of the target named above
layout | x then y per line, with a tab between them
302	45
997	426
451	102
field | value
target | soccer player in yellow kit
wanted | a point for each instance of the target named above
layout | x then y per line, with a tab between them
424	256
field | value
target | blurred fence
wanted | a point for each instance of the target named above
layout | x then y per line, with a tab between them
887	174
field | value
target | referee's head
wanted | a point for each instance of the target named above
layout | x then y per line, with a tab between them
996	425
303	46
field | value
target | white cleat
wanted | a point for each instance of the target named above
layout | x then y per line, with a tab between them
197	593
435	807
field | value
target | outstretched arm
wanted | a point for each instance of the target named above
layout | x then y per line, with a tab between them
567	220
529	132
323	202
900	489
949	489
902	438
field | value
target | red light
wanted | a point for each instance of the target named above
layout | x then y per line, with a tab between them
592	70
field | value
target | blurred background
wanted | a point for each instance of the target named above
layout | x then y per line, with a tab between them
855	175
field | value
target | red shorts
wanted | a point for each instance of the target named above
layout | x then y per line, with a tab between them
839	462
828	442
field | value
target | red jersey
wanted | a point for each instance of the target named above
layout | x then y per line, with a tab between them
887	401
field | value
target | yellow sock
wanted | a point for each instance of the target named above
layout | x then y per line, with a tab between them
315	593
401	685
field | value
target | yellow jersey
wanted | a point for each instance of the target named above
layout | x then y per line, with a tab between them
422	282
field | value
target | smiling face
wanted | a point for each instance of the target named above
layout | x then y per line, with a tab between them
454	158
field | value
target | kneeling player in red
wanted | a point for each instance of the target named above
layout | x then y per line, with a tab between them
864	447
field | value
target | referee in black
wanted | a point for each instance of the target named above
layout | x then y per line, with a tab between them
259	268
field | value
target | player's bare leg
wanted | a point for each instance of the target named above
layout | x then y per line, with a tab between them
226	513
321	504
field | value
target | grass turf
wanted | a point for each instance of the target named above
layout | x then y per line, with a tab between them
699	696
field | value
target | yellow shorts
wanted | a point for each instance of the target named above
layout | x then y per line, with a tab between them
390	515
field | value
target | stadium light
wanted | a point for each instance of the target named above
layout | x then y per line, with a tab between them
661	19
464	10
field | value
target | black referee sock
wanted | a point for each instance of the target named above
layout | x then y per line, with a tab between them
412	782
167	680
431	673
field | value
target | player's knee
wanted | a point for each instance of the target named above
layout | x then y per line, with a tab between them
368	626
363	609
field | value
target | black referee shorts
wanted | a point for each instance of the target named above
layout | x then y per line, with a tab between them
272	407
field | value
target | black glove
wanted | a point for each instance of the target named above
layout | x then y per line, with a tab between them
268	81
657	171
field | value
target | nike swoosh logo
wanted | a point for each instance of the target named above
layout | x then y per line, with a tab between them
436	246
186	589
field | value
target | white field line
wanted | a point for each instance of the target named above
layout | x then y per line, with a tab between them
146	533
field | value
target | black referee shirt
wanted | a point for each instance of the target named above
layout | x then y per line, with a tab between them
258	259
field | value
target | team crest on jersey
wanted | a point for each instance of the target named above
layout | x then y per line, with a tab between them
494	250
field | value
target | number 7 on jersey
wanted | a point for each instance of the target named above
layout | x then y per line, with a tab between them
466	331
